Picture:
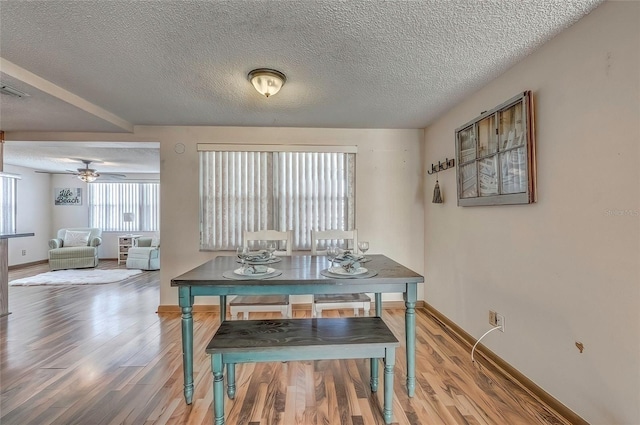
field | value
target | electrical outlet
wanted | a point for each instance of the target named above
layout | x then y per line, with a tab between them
24	252
493	319
500	321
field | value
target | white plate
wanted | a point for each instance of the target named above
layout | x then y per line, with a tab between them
341	271
240	272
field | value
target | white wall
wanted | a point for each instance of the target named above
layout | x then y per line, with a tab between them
33	216
567	268
389	190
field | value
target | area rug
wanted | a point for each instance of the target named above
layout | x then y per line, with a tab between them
76	277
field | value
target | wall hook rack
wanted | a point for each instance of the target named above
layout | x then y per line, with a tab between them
448	163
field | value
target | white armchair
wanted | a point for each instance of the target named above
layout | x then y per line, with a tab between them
75	248
144	255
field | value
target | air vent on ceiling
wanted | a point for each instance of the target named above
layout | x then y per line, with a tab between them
10	91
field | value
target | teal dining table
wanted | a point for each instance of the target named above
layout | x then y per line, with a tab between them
301	275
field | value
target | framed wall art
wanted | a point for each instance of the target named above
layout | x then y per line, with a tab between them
68	196
496	155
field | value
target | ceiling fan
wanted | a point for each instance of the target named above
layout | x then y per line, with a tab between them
87	174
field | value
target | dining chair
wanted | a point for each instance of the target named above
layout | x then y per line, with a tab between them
264	303
337	301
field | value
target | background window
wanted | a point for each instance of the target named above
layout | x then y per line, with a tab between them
124	207
8	203
274	190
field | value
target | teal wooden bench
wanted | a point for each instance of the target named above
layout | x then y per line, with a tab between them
254	341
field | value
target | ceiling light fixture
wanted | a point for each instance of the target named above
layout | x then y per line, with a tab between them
88	175
267	81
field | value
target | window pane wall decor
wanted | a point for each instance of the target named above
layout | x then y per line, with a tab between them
496	155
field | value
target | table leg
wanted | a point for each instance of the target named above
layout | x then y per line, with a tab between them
186	303
410	330
374	375
374	362
223	308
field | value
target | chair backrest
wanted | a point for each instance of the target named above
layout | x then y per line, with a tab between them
333	235
95	232
270	235
147	242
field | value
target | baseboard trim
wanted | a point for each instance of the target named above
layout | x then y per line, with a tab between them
215	308
505	368
33	263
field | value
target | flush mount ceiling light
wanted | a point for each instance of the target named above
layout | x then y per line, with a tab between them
267	81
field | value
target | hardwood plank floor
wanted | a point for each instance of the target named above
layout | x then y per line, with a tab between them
100	354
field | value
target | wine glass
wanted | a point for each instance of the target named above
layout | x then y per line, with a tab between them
363	246
271	248
332	252
242	252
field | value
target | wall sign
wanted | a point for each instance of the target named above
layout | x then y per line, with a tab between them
68	196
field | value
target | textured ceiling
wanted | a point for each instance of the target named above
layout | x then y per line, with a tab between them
349	64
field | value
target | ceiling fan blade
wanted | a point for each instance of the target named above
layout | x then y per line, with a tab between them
53	172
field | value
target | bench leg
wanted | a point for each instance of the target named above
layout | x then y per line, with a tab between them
374	374
389	363
231	380
218	389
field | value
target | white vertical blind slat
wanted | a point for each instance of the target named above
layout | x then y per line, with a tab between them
8	204
273	190
109	202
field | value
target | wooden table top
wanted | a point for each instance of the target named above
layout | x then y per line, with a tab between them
296	270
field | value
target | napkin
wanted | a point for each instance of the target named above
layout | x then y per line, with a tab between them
350	262
255	269
261	255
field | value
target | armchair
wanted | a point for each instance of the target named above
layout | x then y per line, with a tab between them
75	248
144	255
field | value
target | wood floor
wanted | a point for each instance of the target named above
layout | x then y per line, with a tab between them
100	354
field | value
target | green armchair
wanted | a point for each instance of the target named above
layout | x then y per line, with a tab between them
75	248
145	255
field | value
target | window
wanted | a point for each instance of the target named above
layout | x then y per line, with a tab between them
8	202
124	207
274	190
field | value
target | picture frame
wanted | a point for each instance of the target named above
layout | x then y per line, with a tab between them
67	196
496	155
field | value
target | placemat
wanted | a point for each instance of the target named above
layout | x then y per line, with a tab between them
369	273
231	275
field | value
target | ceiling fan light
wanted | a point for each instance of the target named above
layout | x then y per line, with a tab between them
267	81
88	177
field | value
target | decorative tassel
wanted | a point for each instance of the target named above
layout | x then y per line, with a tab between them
437	196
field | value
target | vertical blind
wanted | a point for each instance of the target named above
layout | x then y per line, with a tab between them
8	203
124	207
252	191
